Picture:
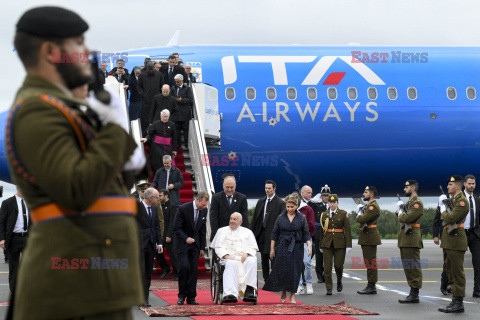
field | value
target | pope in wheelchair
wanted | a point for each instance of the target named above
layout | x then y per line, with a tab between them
236	249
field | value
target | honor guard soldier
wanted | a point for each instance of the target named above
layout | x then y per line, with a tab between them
335	240
454	242
410	239
369	238
67	157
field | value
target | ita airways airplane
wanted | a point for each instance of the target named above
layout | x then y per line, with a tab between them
346	116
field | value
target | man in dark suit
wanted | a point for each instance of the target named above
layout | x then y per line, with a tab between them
151	238
184	96
103	69
169	212
225	203
266	213
171	70
189	239
120	64
189	77
14	225
472	229
149	84
169	178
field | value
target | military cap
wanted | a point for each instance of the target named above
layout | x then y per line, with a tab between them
52	22
332	198
325	190
410	182
143	186
455	178
371	188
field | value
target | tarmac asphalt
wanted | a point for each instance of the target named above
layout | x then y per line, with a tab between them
391	287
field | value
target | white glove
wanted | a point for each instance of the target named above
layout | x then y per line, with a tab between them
440	200
359	209
399	204
349	249
321	250
111	113
137	160
443	208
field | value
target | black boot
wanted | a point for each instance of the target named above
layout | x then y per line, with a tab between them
146	303
370	289
412	297
455	307
339	272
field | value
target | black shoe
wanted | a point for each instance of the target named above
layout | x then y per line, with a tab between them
455	307
412	297
249	294
230	299
321	279
181	301
339	286
146	304
369	289
329	292
166	273
476	294
193	302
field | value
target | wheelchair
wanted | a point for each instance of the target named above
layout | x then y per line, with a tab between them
216	282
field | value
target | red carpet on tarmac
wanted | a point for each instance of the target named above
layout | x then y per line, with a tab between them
268	307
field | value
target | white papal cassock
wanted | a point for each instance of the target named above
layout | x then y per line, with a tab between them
237	275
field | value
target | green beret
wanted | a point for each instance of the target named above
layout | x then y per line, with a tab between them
410	182
455	178
332	198
52	22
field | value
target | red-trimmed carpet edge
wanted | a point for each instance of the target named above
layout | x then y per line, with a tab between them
280	317
268	304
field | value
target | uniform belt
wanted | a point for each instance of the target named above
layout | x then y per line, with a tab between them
334	230
415	225
370	226
458	226
105	205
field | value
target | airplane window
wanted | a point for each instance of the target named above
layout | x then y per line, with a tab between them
291	93
451	93
471	93
251	93
372	93
412	93
271	93
392	93
352	93
332	93
312	93
230	93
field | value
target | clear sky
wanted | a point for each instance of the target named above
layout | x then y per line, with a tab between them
121	24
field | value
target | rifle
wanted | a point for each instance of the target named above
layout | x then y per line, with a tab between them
403	208
360	201
449	206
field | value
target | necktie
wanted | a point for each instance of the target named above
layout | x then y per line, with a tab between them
472	214
196	217
265	214
178	89
150	213
229	201
170	72
24	211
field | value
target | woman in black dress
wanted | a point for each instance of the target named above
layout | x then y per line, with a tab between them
289	234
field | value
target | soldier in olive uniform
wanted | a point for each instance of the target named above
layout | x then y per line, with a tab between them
68	165
335	240
454	242
369	237
410	240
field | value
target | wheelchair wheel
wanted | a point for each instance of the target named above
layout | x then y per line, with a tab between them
216	289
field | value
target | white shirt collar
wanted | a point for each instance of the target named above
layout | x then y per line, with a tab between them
271	197
194	206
